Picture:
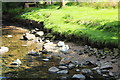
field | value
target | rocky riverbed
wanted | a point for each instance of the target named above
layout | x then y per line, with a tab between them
52	58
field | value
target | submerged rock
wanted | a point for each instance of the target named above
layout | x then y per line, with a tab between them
79	76
53	69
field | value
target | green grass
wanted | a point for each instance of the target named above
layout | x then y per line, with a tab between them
99	25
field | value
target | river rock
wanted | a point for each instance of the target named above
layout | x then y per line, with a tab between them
53	69
64	48
16	62
47	41
63	72
105	75
3	50
33	53
32	31
40	33
111	74
62	67
49	56
45	59
60	43
107	66
103	57
36	29
71	66
104	71
90	63
9	36
77	70
114	60
65	61
95	68
28	36
99	71
86	71
79	76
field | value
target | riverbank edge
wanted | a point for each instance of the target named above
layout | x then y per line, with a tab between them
86	41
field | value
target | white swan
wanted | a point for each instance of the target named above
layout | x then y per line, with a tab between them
61	43
3	50
65	48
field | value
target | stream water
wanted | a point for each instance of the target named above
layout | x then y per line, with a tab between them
35	67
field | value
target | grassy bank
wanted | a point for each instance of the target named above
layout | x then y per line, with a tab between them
99	25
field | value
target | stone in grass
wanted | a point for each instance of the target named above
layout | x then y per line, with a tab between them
79	76
53	69
63	72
